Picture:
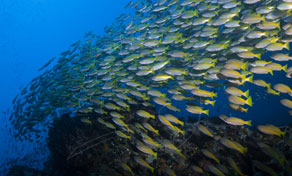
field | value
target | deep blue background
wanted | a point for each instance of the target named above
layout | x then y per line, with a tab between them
34	31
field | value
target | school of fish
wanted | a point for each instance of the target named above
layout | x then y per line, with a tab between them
163	52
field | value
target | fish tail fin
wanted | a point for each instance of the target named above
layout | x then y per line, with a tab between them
249	123
279	26
212	103
157	132
284	68
249	101
145	97
245	65
181	155
188	58
266	34
244	149
174	108
152	169
168	104
214	94
206	112
269	85
287	46
155	155
274	39
243	77
245	110
282	134
258	55
288	12
182	123
263	18
196	13
271	72
246	94
213	64
250	79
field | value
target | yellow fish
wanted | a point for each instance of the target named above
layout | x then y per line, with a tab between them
138	125
236	121
143	163
161	101
164	121
197	169
197	110
161	77
150	141
172	147
86	120
173	119
215	171
272	91
145	114
232	74
261	83
122	135
237	92
237	108
240	101
261	70
234	166
210	155
145	149
287	103
127	168
150	128
107	124
203	93
205	130
271	130
119	122
233	145
283	88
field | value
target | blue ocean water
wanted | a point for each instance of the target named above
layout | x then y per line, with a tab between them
31	33
34	31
